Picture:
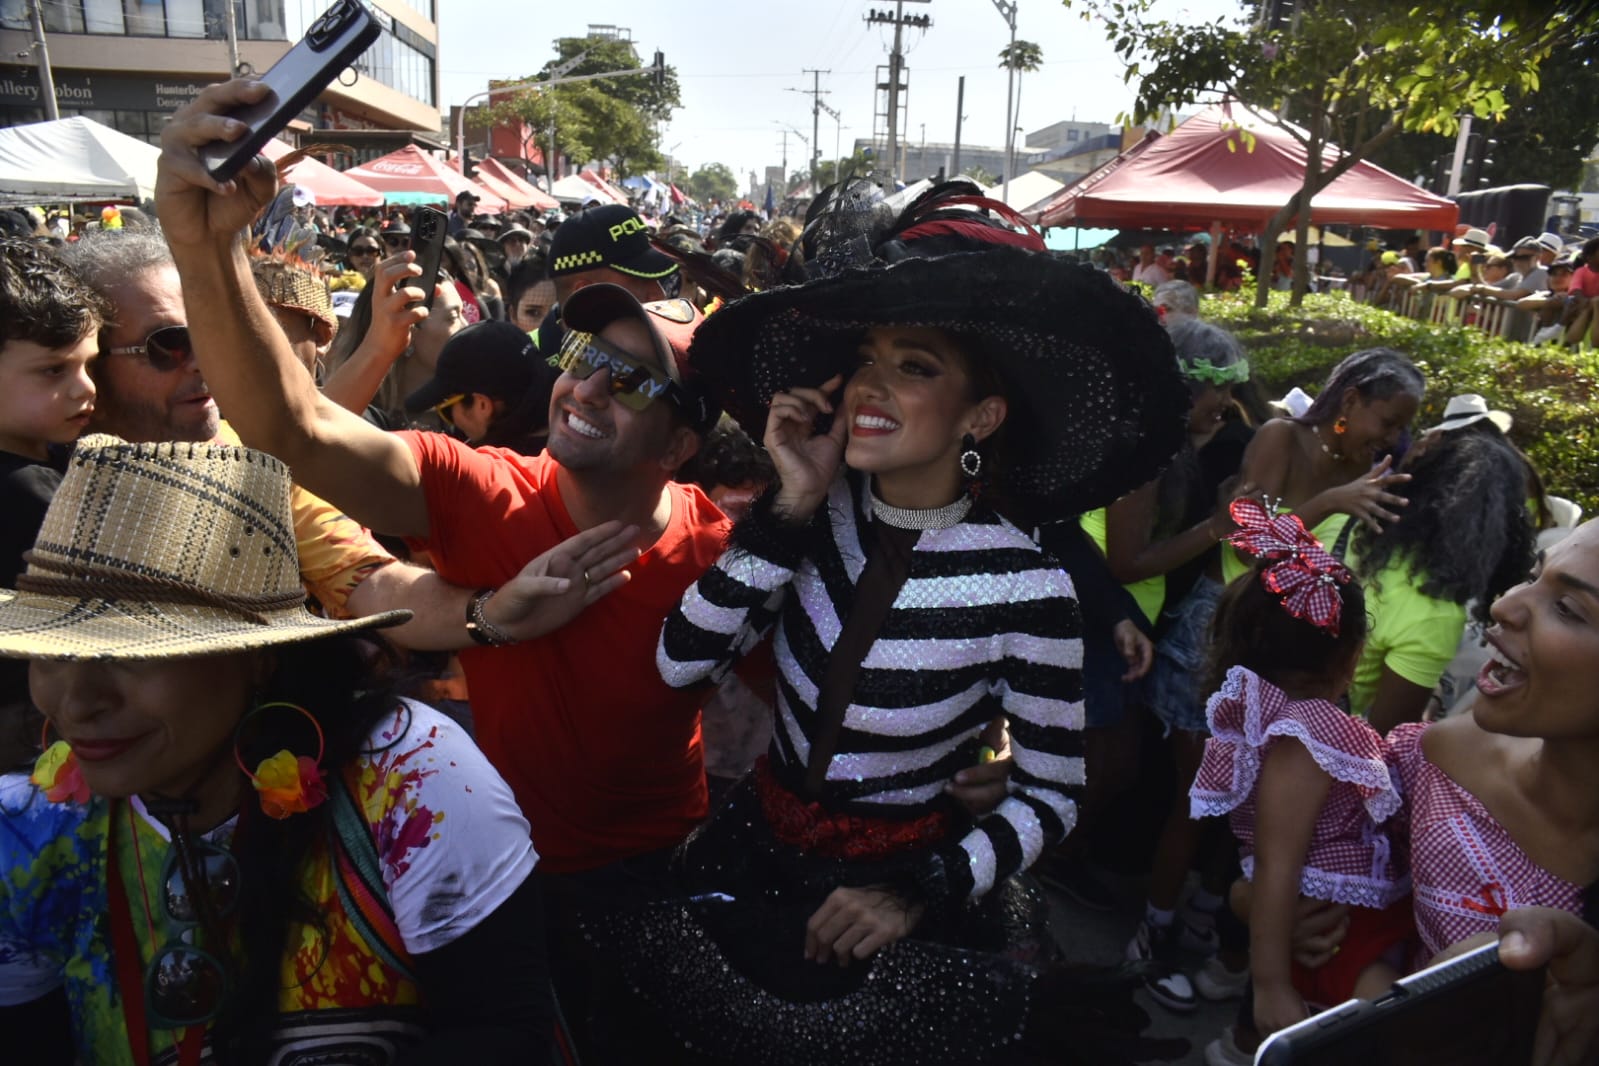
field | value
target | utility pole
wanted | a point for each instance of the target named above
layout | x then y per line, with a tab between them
230	27
960	109
896	60
1007	11
816	121
47	81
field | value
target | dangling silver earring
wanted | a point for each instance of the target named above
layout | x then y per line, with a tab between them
971	458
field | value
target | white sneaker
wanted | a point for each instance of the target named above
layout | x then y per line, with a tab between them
1224	1051
1216	982
1172	990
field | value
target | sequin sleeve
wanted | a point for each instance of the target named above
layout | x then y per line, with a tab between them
734	604
1039	687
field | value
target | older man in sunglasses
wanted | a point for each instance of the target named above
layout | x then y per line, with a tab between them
150	388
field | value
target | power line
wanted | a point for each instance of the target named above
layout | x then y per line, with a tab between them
896	61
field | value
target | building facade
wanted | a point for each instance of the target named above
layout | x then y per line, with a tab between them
128	64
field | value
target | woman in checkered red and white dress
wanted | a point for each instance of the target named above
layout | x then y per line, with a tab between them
1501	802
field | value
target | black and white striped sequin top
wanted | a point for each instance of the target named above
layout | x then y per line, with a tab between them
985	625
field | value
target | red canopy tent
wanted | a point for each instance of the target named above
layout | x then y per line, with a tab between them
610	191
536	197
329	186
512	197
1204	172
410	175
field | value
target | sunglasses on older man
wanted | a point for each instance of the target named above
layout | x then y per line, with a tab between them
165	349
633	384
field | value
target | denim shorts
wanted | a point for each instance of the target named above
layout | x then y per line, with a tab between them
1179	671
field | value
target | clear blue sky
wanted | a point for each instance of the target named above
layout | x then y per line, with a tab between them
735	64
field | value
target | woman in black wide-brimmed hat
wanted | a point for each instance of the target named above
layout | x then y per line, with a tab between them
843	908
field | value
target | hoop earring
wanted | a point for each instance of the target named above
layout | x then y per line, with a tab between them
971	458
57	771
287	784
1341	425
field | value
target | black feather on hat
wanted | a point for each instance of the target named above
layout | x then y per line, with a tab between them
1097	404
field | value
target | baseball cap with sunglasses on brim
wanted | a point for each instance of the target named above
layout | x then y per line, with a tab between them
636	383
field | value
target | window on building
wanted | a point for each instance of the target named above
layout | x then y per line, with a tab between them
1071	136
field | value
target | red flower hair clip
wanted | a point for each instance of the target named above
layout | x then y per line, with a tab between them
1303	572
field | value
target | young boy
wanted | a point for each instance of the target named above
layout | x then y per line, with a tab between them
49	326
49	334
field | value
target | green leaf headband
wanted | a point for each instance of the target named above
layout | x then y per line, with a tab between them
1217	376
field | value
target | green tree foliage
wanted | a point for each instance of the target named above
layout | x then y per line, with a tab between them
1543	139
857	165
1024	57
713	181
979	175
1349	75
613	119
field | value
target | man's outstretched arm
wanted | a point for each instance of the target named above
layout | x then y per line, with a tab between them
266	394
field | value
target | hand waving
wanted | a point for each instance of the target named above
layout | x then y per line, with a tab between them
194	208
806	461
554	588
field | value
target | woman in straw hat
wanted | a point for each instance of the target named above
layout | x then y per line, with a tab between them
875	920
237	842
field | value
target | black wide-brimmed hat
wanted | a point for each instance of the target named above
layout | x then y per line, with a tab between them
1097	405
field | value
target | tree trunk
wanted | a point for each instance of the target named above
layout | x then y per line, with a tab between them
1299	279
1308	191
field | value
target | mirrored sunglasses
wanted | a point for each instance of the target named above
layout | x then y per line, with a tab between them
185	984
632	384
166	349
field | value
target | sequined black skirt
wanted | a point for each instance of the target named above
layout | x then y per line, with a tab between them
721	970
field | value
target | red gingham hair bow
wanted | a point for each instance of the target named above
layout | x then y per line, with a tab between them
1304	574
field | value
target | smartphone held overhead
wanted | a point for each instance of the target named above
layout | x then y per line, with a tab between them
334	41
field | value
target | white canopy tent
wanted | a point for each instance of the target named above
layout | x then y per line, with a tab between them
74	159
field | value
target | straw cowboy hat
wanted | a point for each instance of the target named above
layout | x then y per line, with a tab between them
157	551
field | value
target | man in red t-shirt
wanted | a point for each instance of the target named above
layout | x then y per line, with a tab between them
604	758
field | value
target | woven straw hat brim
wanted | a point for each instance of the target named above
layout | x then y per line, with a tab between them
1097	403
54	627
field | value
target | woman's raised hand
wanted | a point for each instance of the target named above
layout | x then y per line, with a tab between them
396	306
806	461
1367	497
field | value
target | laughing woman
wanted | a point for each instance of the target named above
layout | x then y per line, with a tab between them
875	921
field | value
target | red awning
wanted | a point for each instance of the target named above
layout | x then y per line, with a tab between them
330	187
609	191
414	174
1204	171
537	198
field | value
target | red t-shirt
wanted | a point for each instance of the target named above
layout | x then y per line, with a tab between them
604	758
1585	279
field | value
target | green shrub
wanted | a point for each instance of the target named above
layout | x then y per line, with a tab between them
1552	392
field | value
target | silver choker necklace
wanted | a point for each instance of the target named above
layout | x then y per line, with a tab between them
943	517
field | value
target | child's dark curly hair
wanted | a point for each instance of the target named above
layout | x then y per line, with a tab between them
728	457
1251	629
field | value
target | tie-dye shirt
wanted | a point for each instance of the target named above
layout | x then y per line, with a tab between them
451	842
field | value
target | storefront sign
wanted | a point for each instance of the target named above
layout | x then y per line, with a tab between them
19	87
